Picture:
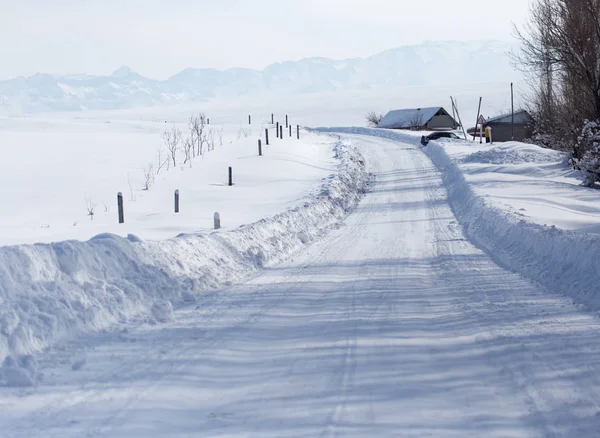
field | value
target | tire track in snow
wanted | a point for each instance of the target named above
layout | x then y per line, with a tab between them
306	272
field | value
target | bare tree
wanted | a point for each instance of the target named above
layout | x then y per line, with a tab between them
172	138
373	119
417	121
560	48
148	176
197	125
189	146
210	140
221	136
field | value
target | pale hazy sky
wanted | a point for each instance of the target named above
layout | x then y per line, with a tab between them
158	38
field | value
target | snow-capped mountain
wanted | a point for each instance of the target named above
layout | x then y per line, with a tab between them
431	63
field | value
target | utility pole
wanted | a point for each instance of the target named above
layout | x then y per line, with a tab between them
455	107
512	110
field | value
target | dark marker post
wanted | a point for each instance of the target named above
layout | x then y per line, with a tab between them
120	207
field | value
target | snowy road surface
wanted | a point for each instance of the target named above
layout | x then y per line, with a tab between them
394	325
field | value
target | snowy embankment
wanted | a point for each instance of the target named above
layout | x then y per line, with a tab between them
563	260
50	291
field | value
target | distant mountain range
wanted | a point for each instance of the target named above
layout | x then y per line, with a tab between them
431	63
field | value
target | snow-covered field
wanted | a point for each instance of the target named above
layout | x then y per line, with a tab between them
52	169
279	202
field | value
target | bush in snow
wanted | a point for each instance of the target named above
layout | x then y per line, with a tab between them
373	119
589	143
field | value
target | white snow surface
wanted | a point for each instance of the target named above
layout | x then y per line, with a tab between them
394	324
524	206
52	168
54	291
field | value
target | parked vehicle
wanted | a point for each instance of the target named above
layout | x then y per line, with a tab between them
436	136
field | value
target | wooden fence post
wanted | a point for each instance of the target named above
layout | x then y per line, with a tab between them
177	201
230	176
267	136
120	207
277	130
290	130
286	121
281	131
298	131
259	147
217	220
272	118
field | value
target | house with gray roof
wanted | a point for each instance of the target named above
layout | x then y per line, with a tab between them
502	126
419	119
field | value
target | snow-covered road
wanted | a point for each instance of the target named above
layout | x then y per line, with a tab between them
394	325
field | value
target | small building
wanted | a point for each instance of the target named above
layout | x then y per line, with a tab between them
502	126
419	119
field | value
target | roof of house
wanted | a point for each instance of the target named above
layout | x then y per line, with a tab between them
522	117
404	118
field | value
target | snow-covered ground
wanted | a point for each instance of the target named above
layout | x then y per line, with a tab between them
283	200
444	302
394	324
524	206
53	168
535	183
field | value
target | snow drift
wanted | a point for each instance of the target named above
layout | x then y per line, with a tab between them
564	261
50	291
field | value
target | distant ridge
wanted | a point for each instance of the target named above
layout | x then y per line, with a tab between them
431	63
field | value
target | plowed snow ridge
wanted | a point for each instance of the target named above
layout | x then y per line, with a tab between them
564	261
49	291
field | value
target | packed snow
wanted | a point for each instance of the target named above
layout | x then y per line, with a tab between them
392	324
524	205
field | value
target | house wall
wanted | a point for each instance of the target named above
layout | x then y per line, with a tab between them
503	132
439	122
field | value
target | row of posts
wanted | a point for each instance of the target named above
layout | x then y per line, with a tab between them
217	219
217	216
278	131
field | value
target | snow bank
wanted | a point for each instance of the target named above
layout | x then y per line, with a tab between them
515	153
564	261
50	291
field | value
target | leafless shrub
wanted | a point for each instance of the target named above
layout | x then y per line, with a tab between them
189	146
373	119
172	139
210	140
417	121
148	176
197	124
